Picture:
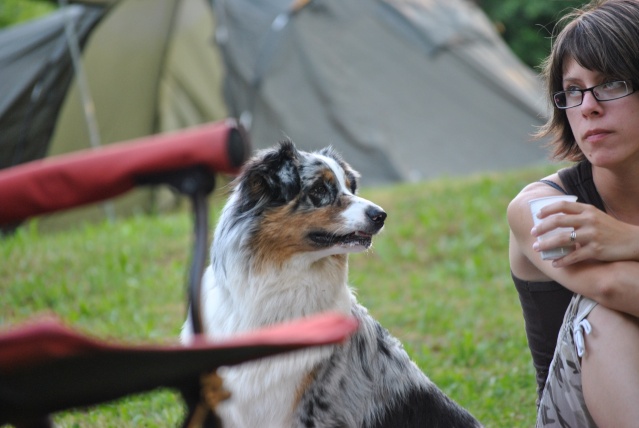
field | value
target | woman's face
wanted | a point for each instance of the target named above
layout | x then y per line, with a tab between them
607	132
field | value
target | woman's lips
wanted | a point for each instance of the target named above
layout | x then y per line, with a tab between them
595	135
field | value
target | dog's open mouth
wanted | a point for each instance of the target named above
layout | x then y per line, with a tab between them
358	238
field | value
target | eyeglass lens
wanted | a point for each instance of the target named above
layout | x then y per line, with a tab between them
604	92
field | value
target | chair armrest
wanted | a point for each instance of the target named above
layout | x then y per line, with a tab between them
46	367
92	175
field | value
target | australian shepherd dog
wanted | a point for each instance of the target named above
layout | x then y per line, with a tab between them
280	252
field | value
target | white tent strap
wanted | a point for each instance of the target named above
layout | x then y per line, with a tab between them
88	106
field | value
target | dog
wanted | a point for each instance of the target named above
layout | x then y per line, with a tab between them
280	252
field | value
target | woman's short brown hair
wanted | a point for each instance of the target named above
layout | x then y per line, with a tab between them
602	36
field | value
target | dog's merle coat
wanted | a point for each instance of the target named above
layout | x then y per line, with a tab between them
280	252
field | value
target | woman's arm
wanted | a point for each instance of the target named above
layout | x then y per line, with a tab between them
614	284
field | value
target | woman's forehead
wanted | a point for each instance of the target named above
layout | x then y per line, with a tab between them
573	70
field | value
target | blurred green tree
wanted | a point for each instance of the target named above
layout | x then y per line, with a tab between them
527	25
15	11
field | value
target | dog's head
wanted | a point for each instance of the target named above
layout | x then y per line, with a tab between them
298	202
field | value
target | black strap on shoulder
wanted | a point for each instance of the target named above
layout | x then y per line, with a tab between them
554	186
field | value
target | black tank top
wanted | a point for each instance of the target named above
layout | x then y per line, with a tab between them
544	303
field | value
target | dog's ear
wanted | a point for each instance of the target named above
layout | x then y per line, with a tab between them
271	178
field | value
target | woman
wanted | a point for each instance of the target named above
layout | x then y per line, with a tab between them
580	310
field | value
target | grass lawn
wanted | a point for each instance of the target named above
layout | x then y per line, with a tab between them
437	277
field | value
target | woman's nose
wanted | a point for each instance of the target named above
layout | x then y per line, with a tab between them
589	103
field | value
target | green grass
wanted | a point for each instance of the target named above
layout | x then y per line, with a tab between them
437	277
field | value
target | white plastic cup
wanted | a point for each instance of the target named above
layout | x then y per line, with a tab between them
538	204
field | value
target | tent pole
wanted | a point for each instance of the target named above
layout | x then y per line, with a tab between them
88	106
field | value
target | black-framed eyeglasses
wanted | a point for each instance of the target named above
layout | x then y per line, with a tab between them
608	91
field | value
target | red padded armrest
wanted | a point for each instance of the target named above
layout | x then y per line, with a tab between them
46	367
42	342
87	176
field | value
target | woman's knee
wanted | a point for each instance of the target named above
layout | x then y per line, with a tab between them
610	375
611	328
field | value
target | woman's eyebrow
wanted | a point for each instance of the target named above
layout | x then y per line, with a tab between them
571	80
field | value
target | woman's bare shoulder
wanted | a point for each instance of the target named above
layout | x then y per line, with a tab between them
536	189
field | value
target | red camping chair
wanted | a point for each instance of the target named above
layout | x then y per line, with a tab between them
46	367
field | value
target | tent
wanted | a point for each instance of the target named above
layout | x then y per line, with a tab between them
145	67
405	89
36	73
150	66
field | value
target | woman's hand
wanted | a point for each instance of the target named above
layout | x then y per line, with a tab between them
597	236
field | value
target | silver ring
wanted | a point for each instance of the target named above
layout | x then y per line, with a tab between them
573	236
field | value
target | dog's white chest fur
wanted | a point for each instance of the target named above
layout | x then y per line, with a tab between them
264	393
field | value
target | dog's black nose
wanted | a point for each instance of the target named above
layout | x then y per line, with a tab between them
376	215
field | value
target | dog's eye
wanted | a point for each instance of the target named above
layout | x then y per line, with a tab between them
318	190
318	194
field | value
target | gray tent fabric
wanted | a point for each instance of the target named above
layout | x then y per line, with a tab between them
35	74
406	90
